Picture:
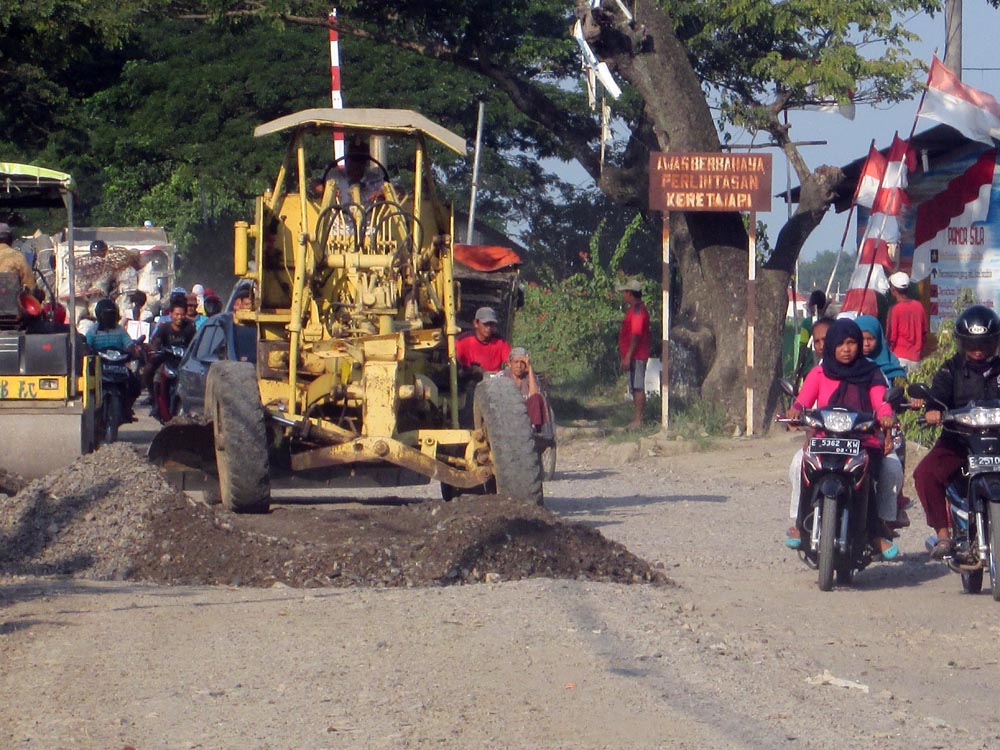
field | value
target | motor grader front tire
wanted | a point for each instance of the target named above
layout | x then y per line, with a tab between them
232	402
501	413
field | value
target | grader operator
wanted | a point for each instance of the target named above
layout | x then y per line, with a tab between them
356	314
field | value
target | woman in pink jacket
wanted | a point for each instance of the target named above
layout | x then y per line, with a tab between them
848	379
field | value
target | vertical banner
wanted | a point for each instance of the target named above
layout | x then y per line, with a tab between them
955	237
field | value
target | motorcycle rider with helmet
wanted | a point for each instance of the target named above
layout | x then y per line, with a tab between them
108	334
973	374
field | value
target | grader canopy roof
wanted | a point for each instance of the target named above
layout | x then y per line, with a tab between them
370	121
28	186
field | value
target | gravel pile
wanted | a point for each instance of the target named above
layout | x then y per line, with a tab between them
113	516
86	519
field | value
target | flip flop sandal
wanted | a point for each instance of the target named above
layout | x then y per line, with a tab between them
792	538
942	548
890	553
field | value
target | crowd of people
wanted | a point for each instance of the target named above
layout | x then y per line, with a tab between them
146	329
851	362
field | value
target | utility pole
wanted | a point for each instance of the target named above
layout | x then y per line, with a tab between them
953	36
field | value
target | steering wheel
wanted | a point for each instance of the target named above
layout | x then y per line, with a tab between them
342	160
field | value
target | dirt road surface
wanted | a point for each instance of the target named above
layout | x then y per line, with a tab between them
743	652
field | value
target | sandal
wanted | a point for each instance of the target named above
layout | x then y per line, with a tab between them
942	548
887	548
792	538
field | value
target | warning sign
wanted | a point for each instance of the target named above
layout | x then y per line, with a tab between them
709	182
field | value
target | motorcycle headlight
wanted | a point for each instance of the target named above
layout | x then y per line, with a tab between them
837	421
979	416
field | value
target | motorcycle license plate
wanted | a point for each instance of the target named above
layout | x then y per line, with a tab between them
835	446
114	369
989	463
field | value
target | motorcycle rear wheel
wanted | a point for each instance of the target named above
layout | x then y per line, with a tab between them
994	521
827	543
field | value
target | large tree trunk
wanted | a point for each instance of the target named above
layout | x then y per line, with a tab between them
709	316
710	312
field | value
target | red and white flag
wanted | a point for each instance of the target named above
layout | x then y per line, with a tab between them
888	206
891	201
861	299
973	113
870	179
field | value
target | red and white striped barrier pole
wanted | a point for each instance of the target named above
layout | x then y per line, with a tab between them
336	100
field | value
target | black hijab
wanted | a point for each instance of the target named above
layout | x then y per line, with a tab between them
855	378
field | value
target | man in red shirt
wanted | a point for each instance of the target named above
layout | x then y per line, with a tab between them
906	326
633	345
482	346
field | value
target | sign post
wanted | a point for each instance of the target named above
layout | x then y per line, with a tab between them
710	182
665	336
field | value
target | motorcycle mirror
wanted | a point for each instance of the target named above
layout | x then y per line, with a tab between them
787	386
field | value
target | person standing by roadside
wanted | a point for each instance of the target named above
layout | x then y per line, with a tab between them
906	326
633	346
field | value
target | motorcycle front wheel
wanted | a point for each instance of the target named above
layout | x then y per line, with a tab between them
972	581
827	543
994	522
113	412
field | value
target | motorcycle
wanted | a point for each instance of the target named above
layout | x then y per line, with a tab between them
974	493
165	382
115	380
836	504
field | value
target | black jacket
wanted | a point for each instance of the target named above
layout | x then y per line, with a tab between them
165	335
956	385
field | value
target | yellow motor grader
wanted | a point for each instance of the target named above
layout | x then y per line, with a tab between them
355	309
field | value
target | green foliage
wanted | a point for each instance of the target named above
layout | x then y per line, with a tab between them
570	326
800	50
815	273
700	420
946	348
52	54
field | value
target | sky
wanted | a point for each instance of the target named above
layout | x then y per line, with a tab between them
848	140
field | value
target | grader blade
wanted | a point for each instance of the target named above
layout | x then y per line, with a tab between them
184	446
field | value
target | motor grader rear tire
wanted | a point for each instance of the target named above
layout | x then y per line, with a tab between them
500	412
232	401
